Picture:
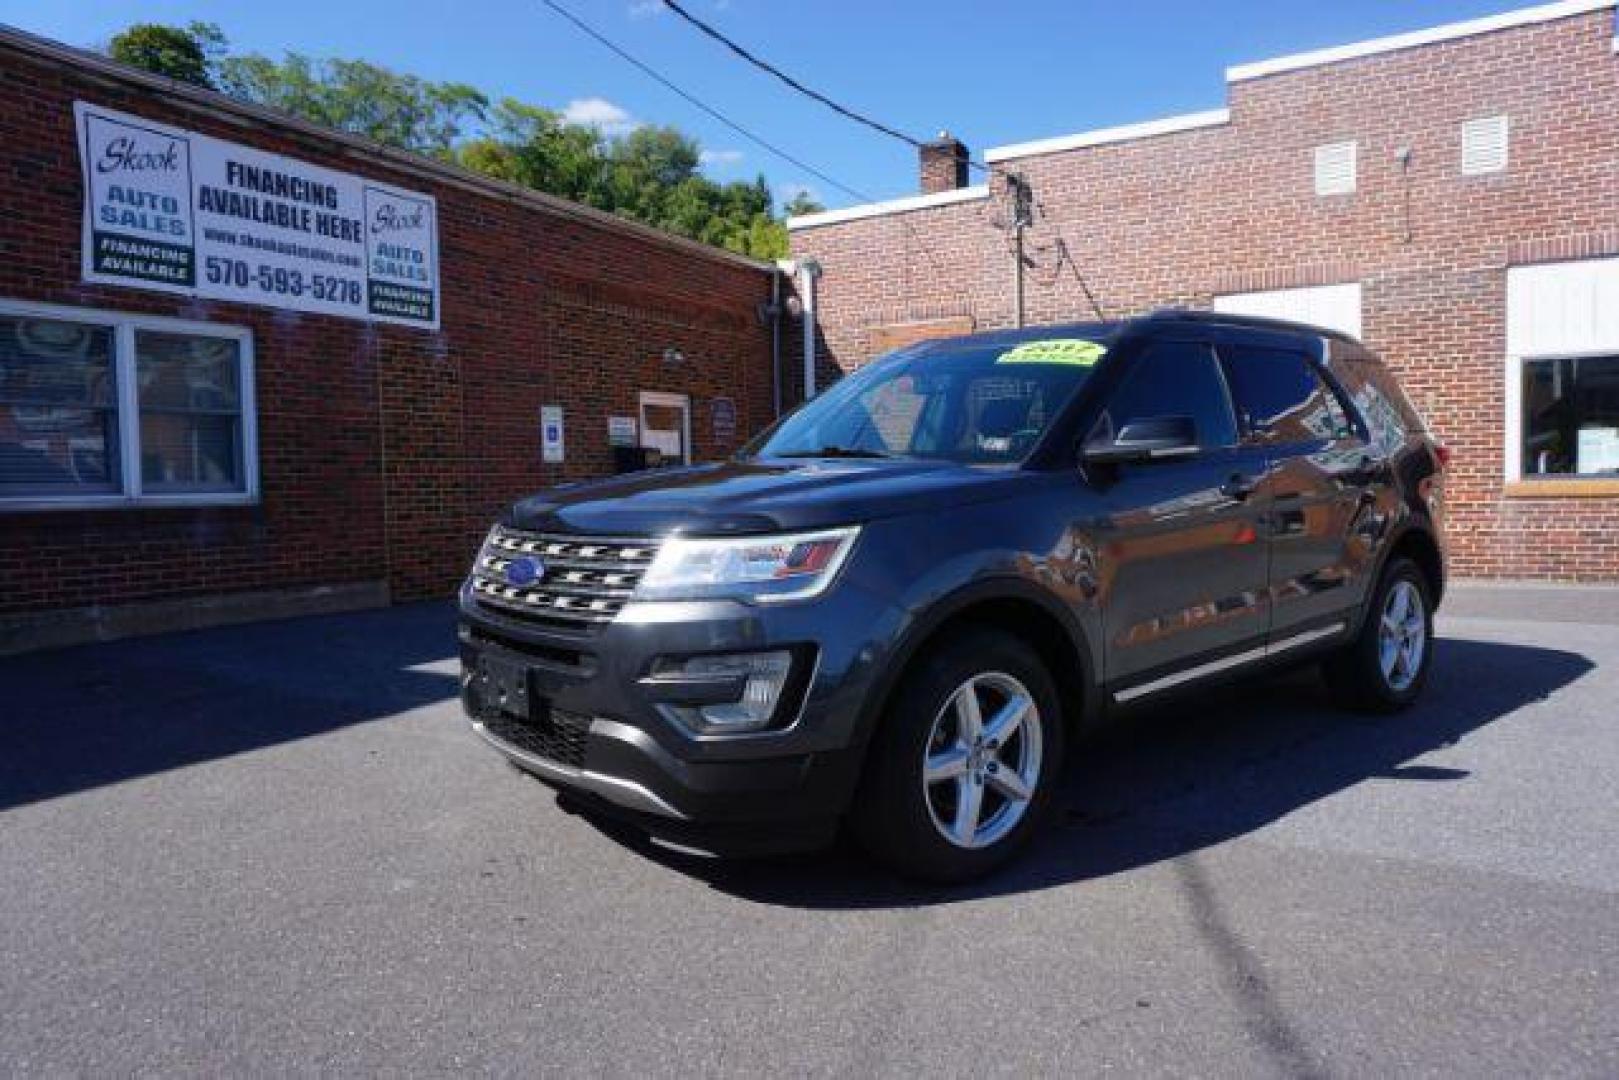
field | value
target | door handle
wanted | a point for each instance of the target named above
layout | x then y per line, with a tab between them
1238	486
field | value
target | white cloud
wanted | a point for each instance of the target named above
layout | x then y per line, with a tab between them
641	9
601	114
721	157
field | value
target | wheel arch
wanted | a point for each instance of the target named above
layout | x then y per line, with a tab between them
1420	546
1016	607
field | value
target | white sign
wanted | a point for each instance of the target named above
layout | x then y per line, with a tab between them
621	431
180	212
551	434
1598	450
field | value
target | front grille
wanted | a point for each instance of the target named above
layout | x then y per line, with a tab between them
556	736
585	582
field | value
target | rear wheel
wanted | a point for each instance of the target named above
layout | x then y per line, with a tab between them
961	771
1385	668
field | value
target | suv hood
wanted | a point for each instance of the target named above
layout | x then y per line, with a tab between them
760	496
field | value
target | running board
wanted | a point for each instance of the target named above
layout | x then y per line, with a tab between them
1225	663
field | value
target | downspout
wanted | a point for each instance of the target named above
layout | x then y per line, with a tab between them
775	336
808	271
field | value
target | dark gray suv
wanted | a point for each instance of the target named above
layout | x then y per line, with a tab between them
897	606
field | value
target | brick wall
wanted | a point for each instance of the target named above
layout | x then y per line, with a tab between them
1180	218
384	450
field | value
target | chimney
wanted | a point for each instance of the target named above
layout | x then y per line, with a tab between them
944	164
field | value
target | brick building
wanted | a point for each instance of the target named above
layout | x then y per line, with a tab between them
171	455
1451	195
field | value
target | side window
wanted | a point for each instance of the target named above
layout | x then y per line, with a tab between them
1281	398
1175	378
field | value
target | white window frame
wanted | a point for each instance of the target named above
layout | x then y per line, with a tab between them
124	326
1527	343
668	399
1515	473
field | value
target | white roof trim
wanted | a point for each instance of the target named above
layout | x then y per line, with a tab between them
891	206
1102	136
1449	32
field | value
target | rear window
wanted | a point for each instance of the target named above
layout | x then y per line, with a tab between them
1281	397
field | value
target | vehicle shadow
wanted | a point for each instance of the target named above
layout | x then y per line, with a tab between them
1195	772
74	719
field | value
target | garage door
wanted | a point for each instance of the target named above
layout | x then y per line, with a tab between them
1336	307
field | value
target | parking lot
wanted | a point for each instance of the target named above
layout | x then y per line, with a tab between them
277	848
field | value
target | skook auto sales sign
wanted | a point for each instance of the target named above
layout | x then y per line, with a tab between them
173	210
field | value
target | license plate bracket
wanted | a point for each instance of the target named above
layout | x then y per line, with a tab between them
505	685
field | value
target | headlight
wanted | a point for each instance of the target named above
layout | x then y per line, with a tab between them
762	568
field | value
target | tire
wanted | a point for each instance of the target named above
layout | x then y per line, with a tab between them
1360	674
920	828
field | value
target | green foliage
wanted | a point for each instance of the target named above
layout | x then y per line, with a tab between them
184	53
801	204
359	98
651	174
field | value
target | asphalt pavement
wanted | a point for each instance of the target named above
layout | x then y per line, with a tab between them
278	849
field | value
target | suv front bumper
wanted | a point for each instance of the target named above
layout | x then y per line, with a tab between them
594	729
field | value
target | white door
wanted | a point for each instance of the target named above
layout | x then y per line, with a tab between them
666	426
1336	307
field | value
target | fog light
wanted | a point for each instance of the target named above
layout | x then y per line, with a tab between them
762	675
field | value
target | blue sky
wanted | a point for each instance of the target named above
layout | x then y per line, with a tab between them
992	73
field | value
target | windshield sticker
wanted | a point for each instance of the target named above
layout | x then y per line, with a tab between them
1074	351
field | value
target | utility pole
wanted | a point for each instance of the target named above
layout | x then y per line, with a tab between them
1022	218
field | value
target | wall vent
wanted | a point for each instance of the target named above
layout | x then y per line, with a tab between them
1335	169
1484	145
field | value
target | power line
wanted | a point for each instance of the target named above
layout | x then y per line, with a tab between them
1015	179
1019	187
710	110
704	106
808	91
771	69
1063	255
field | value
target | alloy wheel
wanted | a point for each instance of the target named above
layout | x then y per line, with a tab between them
1402	636
982	760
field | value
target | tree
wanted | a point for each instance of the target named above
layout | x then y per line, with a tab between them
185	53
801	204
358	97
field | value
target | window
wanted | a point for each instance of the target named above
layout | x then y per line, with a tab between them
102	409
58	409
1281	397
1484	145
1571	417
1335	169
1174	379
1561	412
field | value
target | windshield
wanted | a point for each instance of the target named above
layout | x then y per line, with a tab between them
972	403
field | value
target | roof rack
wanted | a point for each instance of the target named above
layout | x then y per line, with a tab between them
1228	318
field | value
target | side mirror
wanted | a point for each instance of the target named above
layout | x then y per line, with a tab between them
1145	440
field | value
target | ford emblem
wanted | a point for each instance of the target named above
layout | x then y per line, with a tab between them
524	571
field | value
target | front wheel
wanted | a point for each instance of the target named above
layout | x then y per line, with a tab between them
961	771
1385	668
